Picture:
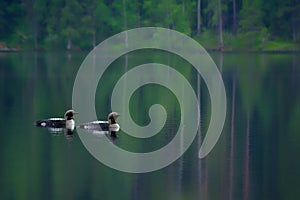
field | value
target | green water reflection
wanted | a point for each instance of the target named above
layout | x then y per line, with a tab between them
255	158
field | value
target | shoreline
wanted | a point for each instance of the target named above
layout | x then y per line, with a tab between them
17	50
6	49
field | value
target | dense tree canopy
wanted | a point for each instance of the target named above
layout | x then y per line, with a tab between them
82	24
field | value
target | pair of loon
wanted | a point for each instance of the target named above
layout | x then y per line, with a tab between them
68	123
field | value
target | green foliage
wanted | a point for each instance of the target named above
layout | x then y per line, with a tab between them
169	14
251	17
208	38
69	19
213	9
11	16
51	24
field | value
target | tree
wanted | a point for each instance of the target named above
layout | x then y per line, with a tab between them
11	17
70	13
52	24
32	21
169	14
251	16
89	20
215	7
289	18
220	23
125	15
39	21
62	22
198	17
103	17
251	21
234	19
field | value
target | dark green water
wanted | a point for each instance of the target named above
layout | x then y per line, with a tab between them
255	158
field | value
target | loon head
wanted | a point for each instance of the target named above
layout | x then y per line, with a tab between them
112	117
69	114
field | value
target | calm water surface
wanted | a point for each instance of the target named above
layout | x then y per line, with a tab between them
255	158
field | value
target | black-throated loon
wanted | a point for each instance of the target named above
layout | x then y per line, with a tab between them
102	127
59	123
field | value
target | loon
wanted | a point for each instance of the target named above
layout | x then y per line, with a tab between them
59	123
102	127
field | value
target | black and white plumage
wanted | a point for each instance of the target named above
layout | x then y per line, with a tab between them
103	127
59	123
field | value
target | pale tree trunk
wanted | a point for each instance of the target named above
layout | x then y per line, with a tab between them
199	18
69	44
295	22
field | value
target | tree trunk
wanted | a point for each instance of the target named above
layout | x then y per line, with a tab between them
220	30
69	44
125	22
199	18
34	26
294	21
220	24
124	15
32	19
234	17
138	14
35	31
294	35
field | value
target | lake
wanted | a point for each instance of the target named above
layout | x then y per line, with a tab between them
256	156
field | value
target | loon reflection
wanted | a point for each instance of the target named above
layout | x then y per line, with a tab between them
100	128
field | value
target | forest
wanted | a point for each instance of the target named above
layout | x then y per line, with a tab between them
216	24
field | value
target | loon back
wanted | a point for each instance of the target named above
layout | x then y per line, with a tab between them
52	122
96	125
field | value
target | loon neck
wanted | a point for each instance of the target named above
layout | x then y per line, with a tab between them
112	121
69	118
